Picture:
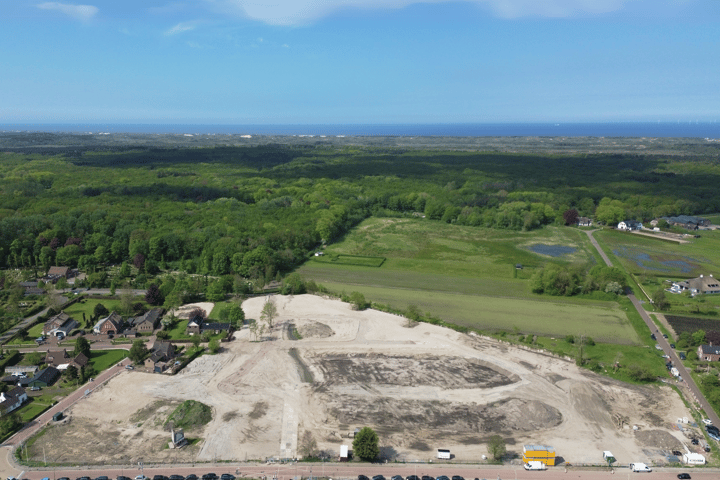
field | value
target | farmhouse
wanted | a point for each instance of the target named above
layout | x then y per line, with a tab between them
162	354
630	225
56	273
198	327
109	325
709	353
584	222
60	325
148	322
687	221
700	285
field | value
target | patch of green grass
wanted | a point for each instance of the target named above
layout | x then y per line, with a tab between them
32	409
87	306
343	259
603	321
178	331
104	359
190	414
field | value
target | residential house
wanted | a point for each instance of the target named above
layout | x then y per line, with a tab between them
706	285
60	359
688	222
584	222
148	322
60	325
160	357
630	225
26	369
198	327
56	273
110	325
12	399
709	353
43	378
33	291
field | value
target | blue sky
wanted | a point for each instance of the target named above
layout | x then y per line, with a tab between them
358	61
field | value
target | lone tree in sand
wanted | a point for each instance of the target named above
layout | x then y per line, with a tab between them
269	312
365	444
308	445
496	447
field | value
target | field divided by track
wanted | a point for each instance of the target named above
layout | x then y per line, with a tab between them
467	276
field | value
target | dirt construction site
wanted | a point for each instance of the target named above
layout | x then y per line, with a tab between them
326	369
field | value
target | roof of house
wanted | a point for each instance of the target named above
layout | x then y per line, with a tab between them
56	357
62	271
11	397
47	375
631	223
58	320
710	350
165	348
704	283
149	316
81	360
215	326
113	318
687	219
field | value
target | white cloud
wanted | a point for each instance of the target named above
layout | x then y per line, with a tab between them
78	12
298	12
179	28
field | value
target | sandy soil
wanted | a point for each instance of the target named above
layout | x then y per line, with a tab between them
421	388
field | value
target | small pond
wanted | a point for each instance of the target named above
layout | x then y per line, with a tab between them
552	250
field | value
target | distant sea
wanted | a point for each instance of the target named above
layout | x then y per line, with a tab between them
619	129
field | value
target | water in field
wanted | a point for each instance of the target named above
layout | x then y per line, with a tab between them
552	250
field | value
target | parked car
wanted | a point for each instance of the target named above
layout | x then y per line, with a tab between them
83	478
178	477
457	477
672	345
226	476
141	477
362	477
120	477
34	388
695	441
160	477
396	477
427	477
192	476
413	477
684	476
707	421
102	477
209	476
378	477
129	367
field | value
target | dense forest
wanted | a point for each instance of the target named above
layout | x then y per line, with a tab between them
258	211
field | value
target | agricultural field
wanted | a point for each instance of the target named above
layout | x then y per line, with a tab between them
468	276
654	264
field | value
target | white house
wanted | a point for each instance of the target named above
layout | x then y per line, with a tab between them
630	225
706	285
12	399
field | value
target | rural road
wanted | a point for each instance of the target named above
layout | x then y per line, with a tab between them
662	341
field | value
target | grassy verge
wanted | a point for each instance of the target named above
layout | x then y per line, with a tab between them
104	359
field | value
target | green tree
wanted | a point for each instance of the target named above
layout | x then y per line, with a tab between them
82	346
358	301
138	351
214	345
366	444
660	299
496	447
196	341
71	372
100	311
236	315
269	312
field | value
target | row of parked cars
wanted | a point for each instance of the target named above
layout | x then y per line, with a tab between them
412	477
207	476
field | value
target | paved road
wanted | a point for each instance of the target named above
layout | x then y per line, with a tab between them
352	470
670	352
34	426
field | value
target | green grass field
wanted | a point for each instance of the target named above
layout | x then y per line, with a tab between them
467	276
104	359
87	306
603	321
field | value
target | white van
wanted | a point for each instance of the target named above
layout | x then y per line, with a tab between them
443	454
534	465
640	467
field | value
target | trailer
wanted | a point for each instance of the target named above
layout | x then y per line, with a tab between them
609	457
443	454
